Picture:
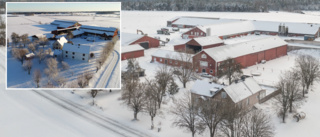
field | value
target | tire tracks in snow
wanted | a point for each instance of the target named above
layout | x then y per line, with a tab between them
98	119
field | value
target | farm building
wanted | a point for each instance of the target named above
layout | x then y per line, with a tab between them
62	24
77	33
241	28
37	37
171	58
63	31
59	43
73	51
198	44
143	40
245	93
246	53
191	22
132	51
103	32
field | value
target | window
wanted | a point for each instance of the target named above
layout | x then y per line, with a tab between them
66	56
176	62
82	58
84	54
201	33
204	56
196	70
211	71
72	57
204	63
191	33
66	52
160	59
223	95
72	53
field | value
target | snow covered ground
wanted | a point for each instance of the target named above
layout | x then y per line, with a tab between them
32	26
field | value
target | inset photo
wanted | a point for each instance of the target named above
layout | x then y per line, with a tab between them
63	45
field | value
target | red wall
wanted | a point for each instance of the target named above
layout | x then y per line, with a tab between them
180	48
170	62
153	43
193	35
211	63
133	54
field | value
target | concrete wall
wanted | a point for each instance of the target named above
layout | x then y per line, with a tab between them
75	55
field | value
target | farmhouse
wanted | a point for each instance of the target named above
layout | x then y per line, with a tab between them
143	40
132	51
246	53
240	28
245	92
198	44
79	52
171	58
59	43
62	24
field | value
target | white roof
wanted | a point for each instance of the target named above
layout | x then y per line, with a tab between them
130	48
197	21
228	28
169	54
236	50
172	19
77	32
300	28
98	32
76	48
205	41
110	29
242	89
62	40
203	88
128	38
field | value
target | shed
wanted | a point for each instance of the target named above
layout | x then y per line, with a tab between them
132	51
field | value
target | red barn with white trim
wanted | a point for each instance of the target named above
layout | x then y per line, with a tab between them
143	40
246	53
132	51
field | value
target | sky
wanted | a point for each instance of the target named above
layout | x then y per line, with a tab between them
56	6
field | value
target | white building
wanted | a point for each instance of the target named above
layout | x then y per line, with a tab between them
76	51
59	43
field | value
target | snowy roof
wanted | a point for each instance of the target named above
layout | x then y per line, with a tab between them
204	41
169	54
130	48
128	38
77	32
111	29
62	40
236	50
204	88
172	19
49	35
58	22
39	35
301	28
76	48
98	32
228	28
197	21
242	89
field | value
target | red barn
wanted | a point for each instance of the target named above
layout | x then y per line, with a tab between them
198	44
246	53
132	51
143	40
171	58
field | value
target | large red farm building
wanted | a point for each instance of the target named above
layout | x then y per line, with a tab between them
132	51
171	58
196	45
246	53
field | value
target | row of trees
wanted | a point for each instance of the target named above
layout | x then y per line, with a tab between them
107	50
295	83
221	5
219	118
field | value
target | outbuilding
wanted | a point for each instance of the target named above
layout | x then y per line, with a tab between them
143	40
59	43
171	58
246	53
196	45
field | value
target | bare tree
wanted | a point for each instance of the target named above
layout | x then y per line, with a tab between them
87	76
81	81
185	111
130	80
27	65
151	103
32	47
37	76
210	115
229	68
289	93
41	55
43	41
65	65
19	53
185	70
52	70
309	70
24	39
69	35
15	38
162	81
257	124
61	81
93	93
135	100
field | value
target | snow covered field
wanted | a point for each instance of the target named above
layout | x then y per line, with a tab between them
32	26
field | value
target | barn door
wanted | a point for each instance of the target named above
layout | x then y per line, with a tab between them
145	45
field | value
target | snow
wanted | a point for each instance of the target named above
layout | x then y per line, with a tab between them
236	50
196	21
210	40
228	28
204	88
128	38
77	32
169	54
242	89
62	40
76	48
300	28
130	48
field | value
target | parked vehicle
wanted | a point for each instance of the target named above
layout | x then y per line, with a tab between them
206	75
